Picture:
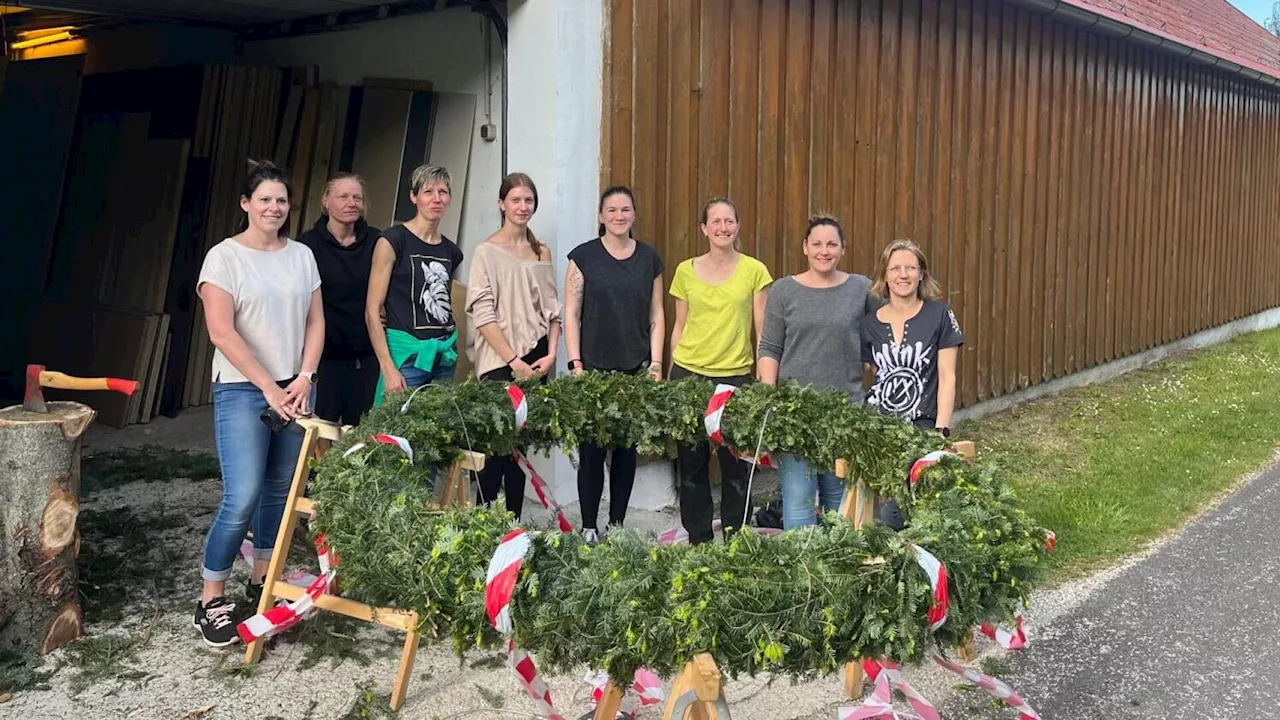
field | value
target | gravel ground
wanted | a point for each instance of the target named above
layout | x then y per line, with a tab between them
173	676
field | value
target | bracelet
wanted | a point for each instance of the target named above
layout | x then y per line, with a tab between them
513	359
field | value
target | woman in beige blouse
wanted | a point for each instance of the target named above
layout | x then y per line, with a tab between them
514	316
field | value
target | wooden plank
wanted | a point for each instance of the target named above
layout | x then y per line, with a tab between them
288	132
795	142
886	123
379	146
619	98
152	351
413	152
965	171
844	148
767	222
714	115
164	373
342	102
308	129
1036	293
745	89
1022	102
322	156
646	104
924	222
449	146
866	134
1060	154
907	125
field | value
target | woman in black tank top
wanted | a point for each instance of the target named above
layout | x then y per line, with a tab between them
613	322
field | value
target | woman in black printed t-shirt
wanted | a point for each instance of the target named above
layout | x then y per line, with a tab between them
912	342
613	322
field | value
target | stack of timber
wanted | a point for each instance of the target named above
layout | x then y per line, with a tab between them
242	123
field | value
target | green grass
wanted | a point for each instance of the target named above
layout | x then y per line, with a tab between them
1113	466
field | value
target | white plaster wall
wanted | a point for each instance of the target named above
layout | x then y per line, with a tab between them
554	59
446	48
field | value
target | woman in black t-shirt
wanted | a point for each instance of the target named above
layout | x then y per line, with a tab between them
912	343
613	322
412	276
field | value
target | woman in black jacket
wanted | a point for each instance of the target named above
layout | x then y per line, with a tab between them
343	244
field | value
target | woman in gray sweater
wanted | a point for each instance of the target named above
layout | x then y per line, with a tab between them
811	336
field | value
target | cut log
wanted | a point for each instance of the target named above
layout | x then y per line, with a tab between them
39	533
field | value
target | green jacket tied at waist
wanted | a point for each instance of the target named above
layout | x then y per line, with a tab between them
429	353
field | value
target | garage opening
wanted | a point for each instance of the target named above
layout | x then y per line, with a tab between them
126	127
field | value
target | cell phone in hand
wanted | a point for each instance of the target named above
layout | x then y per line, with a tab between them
277	423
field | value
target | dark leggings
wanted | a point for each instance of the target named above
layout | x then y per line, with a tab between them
890	513
696	508
622	476
503	473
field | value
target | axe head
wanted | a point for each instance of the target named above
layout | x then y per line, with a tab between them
33	397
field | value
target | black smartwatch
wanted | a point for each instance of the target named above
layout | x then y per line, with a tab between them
946	431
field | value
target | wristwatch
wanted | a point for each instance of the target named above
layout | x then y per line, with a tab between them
946	431
310	376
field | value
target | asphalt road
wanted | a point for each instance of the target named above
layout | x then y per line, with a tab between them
1191	631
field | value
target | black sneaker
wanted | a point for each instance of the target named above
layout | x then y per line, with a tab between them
216	623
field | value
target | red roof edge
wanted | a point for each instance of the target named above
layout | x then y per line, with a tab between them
1095	9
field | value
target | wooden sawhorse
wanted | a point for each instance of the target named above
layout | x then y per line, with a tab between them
859	508
698	694
318	437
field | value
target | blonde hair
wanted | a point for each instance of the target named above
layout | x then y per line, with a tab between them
427	174
928	289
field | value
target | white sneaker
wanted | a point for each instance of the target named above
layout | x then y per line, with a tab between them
590	536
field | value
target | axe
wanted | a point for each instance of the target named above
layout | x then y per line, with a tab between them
38	377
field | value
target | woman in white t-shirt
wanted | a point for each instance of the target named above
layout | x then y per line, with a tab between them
261	294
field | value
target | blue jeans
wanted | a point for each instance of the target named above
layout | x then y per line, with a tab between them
415	378
799	484
257	470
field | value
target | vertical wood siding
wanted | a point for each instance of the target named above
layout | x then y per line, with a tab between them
1080	198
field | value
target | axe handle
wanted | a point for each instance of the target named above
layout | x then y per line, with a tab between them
62	381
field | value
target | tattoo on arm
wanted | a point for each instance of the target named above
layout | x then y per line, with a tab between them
576	283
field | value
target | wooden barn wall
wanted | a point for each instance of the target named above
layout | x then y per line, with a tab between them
1080	198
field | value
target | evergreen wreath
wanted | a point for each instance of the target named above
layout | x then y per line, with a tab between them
801	603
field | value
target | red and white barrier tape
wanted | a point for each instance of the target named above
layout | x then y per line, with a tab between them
937	573
499	586
393	440
893	674
543	492
519	405
995	687
927	461
298	578
647	687
282	617
878	705
1051	540
1007	639
711	420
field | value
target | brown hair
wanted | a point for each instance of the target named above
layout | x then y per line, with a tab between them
928	289
706	209
818	221
511	182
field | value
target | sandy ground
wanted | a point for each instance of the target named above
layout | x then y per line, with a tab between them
186	680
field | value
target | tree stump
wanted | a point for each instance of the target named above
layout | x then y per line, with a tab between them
39	536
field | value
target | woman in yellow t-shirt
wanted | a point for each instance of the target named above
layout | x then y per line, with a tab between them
720	299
